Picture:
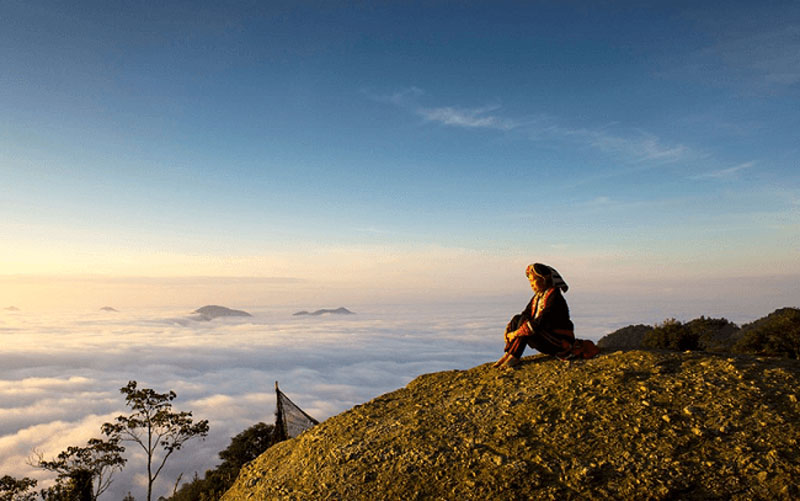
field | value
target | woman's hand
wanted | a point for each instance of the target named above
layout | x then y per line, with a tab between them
505	334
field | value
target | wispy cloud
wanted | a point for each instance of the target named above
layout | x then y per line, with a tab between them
468	117
629	145
725	173
404	98
455	116
632	145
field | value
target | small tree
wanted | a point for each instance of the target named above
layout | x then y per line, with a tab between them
248	445
153	425
77	486
12	489
86	468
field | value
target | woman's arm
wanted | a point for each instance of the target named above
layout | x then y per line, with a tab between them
555	313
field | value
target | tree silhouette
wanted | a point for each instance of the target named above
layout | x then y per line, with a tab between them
154	426
76	486
87	469
13	489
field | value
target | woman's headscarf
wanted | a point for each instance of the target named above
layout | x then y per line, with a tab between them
545	271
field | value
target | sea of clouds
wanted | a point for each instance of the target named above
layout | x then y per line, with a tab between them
60	374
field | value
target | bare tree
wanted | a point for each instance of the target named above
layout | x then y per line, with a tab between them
154	426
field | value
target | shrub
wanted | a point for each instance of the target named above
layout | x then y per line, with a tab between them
626	338
777	334
671	335
244	447
714	334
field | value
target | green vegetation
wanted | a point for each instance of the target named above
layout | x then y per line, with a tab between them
671	335
777	334
714	334
244	447
83	472
13	489
629	338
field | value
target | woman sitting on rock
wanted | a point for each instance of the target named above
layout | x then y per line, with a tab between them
544	324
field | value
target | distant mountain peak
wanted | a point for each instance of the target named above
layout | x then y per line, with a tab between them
109	308
212	311
338	311
12	308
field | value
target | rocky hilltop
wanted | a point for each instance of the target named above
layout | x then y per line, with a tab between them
627	425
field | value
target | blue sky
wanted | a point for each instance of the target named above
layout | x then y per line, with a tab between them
332	141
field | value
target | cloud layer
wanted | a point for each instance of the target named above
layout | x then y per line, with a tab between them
60	376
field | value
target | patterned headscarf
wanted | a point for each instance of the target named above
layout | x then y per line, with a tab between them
545	271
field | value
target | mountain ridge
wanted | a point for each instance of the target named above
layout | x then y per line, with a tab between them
212	311
338	311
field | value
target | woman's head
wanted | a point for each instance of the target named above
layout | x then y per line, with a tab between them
543	277
540	276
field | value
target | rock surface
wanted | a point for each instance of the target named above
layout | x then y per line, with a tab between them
627	425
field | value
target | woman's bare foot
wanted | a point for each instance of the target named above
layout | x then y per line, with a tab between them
502	360
512	362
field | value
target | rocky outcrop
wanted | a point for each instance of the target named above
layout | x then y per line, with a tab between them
627	425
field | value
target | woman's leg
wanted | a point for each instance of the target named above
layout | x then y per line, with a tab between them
512	326
501	361
551	343
514	350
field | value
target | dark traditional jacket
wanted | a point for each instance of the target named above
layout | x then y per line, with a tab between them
546	312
